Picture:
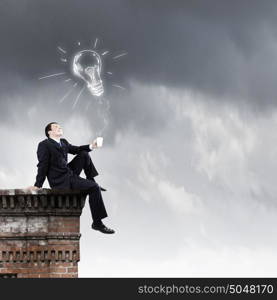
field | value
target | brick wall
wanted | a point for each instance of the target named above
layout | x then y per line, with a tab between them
40	233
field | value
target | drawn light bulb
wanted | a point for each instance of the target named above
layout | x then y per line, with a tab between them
87	65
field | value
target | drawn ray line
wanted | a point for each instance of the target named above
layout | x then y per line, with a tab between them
119	55
52	75
95	43
77	98
61	49
118	86
66	95
105	52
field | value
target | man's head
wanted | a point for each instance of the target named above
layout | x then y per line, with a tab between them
53	130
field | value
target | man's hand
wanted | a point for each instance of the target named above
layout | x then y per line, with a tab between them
94	144
33	188
97	143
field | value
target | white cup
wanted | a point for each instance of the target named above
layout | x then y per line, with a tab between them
99	141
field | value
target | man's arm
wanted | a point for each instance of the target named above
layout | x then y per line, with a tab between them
76	149
43	163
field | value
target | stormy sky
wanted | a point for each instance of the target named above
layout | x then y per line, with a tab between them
189	156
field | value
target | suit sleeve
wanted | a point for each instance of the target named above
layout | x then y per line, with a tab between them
43	163
77	149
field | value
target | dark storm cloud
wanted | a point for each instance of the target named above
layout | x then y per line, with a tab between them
217	47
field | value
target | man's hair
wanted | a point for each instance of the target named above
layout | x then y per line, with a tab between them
48	128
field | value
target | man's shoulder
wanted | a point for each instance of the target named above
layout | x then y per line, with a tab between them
43	145
43	142
47	142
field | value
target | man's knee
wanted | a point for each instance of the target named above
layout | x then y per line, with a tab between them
83	154
94	186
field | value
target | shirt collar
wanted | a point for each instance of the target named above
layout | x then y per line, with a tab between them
56	140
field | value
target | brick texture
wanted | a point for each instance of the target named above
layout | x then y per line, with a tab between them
40	233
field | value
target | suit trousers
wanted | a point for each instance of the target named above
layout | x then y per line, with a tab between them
82	161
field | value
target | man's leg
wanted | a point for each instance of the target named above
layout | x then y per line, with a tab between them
82	161
97	207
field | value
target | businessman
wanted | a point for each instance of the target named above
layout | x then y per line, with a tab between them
52	163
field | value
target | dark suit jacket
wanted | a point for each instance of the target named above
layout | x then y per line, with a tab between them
53	162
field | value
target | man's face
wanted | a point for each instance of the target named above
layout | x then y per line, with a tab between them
56	130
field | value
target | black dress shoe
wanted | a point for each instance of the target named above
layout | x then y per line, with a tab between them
102	189
102	228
